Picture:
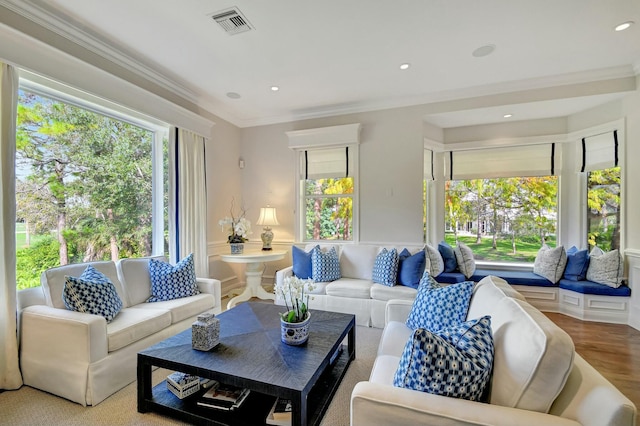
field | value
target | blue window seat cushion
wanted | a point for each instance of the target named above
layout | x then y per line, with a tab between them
451	277
590	287
514	277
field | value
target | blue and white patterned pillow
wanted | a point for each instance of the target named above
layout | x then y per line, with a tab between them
437	308
92	293
455	362
172	282
325	266
385	268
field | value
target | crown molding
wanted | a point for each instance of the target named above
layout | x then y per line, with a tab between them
45	16
48	19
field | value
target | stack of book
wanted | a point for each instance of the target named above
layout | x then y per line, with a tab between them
280	414
223	397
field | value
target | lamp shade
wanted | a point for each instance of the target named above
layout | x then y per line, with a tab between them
267	217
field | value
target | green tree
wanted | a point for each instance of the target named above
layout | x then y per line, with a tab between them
85	175
603	208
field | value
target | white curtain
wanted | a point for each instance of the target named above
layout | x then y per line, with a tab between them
188	199
10	377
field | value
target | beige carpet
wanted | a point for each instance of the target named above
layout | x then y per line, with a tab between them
28	406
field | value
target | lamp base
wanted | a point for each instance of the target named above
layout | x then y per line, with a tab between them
267	237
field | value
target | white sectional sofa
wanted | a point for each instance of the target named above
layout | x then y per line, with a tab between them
81	357
537	378
355	293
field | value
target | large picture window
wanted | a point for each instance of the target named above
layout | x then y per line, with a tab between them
502	219
84	187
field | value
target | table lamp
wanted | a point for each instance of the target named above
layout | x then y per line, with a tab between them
267	219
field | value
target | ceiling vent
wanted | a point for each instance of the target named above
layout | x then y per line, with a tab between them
232	21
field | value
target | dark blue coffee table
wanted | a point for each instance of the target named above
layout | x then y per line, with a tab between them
251	355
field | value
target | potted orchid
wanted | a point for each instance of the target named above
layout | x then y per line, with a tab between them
294	323
238	228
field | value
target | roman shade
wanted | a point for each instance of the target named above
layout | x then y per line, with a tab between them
600	151
512	161
326	163
325	151
428	165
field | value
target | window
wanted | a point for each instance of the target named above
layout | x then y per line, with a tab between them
327	197
84	184
429	177
502	202
327	200
502	219
600	163
603	208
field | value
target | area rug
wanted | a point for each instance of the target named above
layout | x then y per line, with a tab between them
28	406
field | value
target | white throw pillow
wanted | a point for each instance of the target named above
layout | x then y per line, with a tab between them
464	257
550	263
434	261
606	268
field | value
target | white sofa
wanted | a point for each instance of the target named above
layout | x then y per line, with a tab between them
538	379
80	356
355	293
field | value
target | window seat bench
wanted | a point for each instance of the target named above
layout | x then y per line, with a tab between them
585	299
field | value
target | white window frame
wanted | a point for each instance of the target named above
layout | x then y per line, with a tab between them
581	179
327	137
62	93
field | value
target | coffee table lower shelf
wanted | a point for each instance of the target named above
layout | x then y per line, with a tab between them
254	410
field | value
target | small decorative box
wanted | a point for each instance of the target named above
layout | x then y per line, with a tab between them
182	385
205	332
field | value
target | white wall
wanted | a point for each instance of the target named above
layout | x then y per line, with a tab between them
390	173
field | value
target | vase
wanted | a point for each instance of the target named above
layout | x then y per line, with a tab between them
205	332
295	333
237	248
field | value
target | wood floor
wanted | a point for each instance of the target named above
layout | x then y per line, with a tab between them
613	349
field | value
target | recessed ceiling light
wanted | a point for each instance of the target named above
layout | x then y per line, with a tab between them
624	26
233	95
274	88
484	50
405	66
508	115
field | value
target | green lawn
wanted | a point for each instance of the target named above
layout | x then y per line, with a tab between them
525	250
21	236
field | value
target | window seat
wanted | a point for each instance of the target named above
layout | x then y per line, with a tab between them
589	287
514	277
586	300
451	277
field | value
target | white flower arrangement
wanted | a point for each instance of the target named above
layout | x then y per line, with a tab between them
295	293
239	228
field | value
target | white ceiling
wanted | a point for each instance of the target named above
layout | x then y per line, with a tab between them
335	56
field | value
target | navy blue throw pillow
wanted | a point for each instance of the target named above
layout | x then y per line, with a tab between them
410	268
449	257
577	264
301	263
